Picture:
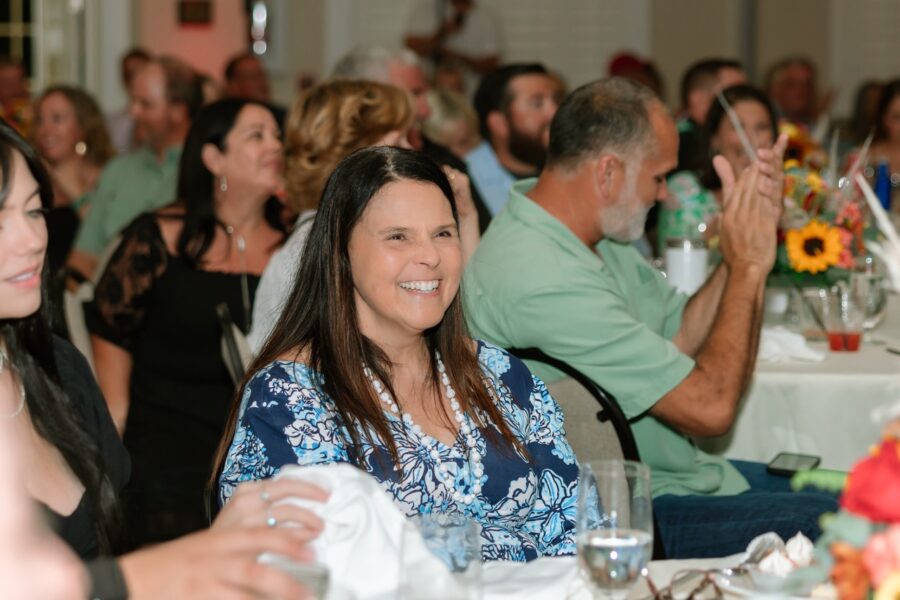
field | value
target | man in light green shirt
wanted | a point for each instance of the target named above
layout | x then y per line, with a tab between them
165	95
555	270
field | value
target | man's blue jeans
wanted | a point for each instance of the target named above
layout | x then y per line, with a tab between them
709	526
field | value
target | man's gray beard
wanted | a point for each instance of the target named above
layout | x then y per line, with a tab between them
621	222
631	231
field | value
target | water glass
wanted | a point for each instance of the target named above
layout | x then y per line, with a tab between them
313	576
686	264
867	287
615	525
455	540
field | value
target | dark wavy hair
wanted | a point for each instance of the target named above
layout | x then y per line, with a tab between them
889	92
320	315
29	346
734	95
196	183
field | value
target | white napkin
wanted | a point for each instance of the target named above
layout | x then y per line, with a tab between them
777	344
541	579
361	542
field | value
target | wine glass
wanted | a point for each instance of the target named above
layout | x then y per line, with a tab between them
452	538
615	525
867	287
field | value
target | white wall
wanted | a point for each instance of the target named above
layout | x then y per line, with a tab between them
576	37
849	41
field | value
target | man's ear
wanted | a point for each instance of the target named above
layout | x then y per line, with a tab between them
497	125
608	172
212	158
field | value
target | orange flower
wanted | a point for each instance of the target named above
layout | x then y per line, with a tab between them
849	573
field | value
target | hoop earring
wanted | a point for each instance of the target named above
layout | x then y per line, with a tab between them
223	184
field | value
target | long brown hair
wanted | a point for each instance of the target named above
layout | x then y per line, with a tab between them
320	315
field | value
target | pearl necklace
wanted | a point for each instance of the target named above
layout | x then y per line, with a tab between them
18	410
465	426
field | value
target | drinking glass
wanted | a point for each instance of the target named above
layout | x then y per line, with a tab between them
867	287
615	525
455	540
844	319
313	576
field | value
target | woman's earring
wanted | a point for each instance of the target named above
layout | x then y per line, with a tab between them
223	184
80	148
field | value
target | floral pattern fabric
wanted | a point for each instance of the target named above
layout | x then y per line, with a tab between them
526	507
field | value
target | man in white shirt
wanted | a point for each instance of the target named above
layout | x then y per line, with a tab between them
457	31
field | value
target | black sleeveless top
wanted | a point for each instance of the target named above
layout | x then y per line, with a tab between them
78	529
163	312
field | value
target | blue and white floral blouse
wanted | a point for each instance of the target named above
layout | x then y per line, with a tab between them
526	507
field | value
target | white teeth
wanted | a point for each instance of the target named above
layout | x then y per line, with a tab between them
420	286
23	276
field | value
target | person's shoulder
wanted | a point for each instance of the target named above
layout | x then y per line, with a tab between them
78	381
286	370
144	228
122	164
500	361
69	361
519	249
507	368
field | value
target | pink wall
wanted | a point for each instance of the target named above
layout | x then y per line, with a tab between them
204	47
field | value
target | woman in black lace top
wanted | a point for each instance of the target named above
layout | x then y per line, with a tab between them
155	333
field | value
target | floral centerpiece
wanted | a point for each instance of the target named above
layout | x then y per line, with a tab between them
821	234
860	545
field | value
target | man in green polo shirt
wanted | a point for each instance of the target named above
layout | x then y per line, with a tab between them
165	94
556	270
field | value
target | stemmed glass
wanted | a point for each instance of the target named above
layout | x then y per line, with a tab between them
615	525
867	287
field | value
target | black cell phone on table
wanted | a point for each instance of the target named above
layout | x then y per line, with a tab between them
788	463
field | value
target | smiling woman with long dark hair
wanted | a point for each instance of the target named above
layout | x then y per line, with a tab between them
371	363
57	421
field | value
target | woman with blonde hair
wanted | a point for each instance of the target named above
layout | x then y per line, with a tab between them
324	126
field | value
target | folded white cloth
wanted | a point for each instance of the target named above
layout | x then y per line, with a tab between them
541	579
777	344
362	541
363	534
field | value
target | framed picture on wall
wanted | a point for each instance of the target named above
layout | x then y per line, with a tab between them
195	12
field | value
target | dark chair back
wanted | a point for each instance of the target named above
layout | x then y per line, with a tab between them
572	393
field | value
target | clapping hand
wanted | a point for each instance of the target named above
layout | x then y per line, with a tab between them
752	206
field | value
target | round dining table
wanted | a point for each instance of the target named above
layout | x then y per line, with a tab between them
833	409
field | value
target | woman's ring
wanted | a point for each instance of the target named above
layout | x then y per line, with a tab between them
264	495
271	521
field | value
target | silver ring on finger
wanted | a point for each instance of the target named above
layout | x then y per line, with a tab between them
264	495
271	521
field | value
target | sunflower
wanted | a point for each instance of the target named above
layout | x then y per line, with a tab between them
814	247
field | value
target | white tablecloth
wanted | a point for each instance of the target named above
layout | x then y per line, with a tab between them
818	408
